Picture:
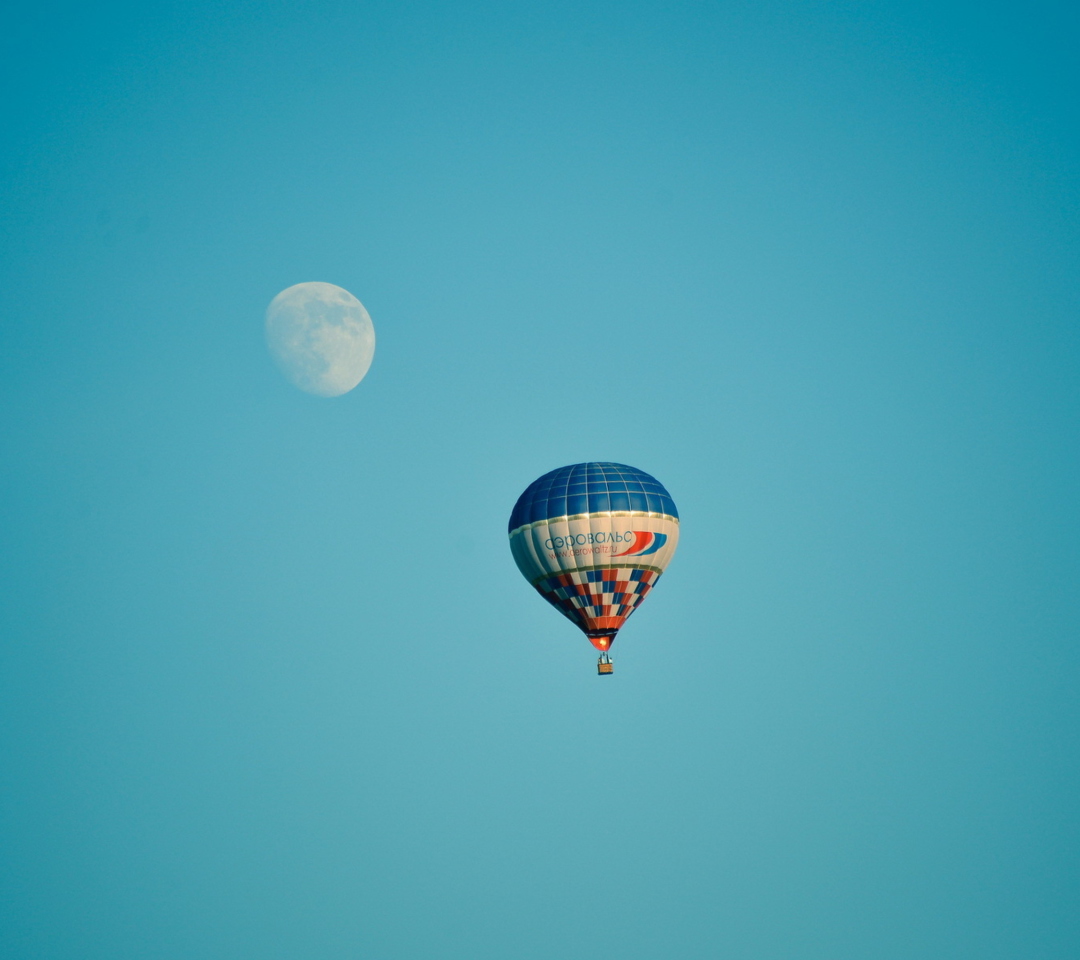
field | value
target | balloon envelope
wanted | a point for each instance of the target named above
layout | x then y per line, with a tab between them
593	539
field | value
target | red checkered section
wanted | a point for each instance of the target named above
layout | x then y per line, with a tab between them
598	600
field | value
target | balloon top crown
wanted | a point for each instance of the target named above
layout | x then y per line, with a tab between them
583	488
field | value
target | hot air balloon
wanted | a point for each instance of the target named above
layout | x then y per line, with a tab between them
593	538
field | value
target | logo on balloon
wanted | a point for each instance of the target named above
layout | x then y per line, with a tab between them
641	543
644	544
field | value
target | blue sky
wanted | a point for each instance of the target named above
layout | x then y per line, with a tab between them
270	683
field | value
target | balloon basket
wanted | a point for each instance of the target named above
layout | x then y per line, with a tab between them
605	666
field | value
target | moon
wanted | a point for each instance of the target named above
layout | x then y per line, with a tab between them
321	337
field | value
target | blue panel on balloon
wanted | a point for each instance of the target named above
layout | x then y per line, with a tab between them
590	487
577	503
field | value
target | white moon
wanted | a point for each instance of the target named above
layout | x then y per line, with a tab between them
321	336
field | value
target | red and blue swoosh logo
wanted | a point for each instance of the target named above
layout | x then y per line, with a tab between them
644	544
